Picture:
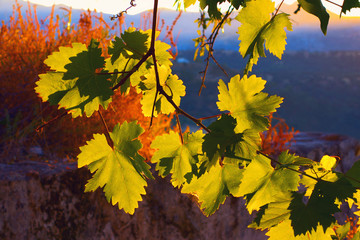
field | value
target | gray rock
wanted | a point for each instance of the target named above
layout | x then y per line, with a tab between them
315	145
43	201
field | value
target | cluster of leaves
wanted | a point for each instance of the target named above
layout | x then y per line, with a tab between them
31	40
294	197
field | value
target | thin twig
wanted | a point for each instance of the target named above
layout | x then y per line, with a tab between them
211	42
107	133
278	8
119	15
334	3
279	163
50	121
217	63
179	126
134	69
214	116
111	73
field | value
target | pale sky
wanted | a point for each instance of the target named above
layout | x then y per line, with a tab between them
115	6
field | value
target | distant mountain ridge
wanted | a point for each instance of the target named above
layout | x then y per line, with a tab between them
343	34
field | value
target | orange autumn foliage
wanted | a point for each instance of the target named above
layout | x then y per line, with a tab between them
26	42
278	137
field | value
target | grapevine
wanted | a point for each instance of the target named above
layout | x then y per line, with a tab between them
293	197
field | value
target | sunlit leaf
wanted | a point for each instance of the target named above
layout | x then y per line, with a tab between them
247	103
118	170
259	28
175	157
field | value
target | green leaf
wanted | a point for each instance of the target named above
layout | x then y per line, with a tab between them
222	141
353	175
57	60
272	214
132	44
212	5
79	89
174	157
123	65
343	230
285	231
320	207
316	8
188	3
247	103
349	4
171	84
118	170
258	27
263	184
214	186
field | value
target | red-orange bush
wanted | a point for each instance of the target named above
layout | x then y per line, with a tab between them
26	41
278	137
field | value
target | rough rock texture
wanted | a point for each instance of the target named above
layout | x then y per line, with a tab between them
41	201
46	201
316	145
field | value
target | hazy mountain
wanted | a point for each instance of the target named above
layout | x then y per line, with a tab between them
343	34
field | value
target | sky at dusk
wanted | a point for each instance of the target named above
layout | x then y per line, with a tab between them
114	6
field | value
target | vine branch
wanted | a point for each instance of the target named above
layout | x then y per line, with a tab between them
279	163
107	133
210	42
179	126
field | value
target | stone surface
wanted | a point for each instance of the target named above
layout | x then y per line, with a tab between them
43	201
46	201
315	145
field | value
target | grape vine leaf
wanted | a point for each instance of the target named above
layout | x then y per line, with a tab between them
57	60
136	43
285	231
132	44
349	4
74	84
120	170
247	103
353	174
272	214
124	65
316	8
321	170
222	141
255	31
214	186
212	5
175	157
264	184
171	84
320	207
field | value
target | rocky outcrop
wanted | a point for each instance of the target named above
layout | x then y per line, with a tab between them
43	201
46	201
316	145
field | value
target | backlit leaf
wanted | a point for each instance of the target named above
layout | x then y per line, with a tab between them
118	170
171	84
80	89
247	103
258	27
316	8
174	157
349	4
222	141
264	184
214	186
320	207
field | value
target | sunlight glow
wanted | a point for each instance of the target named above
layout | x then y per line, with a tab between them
115	6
